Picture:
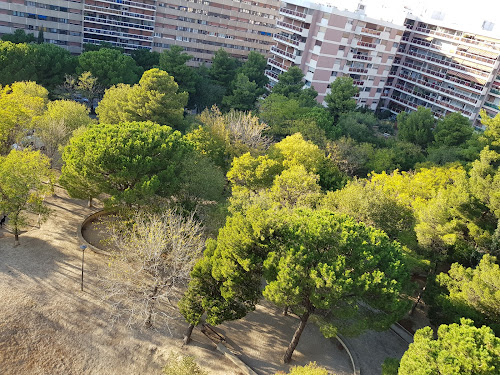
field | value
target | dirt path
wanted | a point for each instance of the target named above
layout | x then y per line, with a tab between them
48	326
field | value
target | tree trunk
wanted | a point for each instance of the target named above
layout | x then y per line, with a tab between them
285	311
90	202
187	336
151	306
16	234
295	340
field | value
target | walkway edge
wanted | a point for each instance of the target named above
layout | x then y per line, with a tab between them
356	369
247	370
85	221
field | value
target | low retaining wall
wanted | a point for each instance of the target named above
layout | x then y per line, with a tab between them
356	370
82	225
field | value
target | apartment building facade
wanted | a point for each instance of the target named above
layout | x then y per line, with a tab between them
398	64
444	69
200	26
327	42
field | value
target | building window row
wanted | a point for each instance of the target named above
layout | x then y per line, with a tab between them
39	17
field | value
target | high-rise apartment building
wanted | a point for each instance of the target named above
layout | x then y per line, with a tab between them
444	69
60	20
200	26
327	42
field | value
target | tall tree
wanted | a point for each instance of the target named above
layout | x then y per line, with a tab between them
254	69
244	95
223	68
155	98
145	58
25	181
458	349
173	61
454	129
416	127
109	66
19	36
340	99
20	103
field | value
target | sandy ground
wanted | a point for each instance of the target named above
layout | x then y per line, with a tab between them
48	326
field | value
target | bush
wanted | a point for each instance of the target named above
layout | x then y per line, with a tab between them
182	365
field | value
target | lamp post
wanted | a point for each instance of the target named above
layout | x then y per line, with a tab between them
83	247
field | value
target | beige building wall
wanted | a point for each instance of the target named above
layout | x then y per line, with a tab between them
61	21
202	27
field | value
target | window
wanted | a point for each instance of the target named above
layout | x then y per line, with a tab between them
334	74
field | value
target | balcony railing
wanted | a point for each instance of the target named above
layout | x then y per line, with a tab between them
362	57
365	44
495	91
117	23
431	99
491	105
290	26
358	70
279	51
358	83
132	3
293	13
277	64
101	9
455	37
285	39
370	31
438	88
271	74
439	48
428	58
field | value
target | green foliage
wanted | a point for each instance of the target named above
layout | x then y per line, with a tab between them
20	104
155	98
223	137
278	112
340	99
208	93
491	135
132	162
459	349
452	130
182	365
358	126
45	63
19	36
290	85
223	68
466	289
25	181
244	94
485	179
145	58
416	127
109	66
310	369
58	122
390	366
254	69
173	61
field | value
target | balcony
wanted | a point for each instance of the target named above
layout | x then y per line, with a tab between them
120	13
290	27
428	58
358	70
272	75
366	30
358	83
284	39
438	88
118	23
277	64
491	105
366	45
495	91
134	4
296	14
431	99
287	55
362	57
455	37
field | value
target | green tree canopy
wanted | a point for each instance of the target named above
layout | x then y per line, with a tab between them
416	127
244	94
254	69
340	99
20	103
154	98
223	68
19	36
109	66
145	58
132	162
452	130
173	61
290	84
459	349
25	181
